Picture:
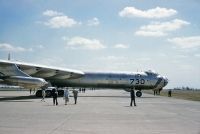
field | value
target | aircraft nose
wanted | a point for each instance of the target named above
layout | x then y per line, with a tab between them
162	81
165	81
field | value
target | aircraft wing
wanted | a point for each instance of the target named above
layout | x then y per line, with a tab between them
39	71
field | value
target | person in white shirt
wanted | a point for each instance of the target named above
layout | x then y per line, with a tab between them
66	96
43	94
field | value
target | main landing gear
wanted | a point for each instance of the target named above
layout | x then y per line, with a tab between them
138	93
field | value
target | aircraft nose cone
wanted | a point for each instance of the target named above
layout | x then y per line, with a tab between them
165	81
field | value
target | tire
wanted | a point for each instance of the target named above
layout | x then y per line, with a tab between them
38	93
60	92
138	93
48	93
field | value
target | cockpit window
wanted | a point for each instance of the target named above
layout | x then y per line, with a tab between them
150	72
138	75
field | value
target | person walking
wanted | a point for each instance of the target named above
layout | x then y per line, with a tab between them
132	94
43	95
55	96
154	92
75	93
169	93
66	96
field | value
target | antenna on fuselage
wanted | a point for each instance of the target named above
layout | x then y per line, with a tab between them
8	56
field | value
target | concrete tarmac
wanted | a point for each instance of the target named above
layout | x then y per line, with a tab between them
97	112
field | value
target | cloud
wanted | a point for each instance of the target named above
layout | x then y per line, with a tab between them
58	20
150	33
52	13
157	12
84	43
157	29
93	22
121	46
186	42
10	48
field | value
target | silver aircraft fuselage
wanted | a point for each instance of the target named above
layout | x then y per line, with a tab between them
137	80
35	76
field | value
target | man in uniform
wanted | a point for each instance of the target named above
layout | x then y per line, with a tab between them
132	93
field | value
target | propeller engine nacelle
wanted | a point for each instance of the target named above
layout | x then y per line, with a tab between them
26	82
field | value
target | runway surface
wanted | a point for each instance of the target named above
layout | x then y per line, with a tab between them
97	112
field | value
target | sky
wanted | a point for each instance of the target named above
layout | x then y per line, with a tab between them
100	35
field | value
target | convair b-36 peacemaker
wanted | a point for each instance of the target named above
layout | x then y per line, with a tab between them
37	76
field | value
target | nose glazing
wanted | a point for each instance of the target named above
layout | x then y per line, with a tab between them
165	81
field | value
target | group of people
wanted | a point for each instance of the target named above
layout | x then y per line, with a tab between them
132	94
75	94
54	94
82	90
156	92
66	96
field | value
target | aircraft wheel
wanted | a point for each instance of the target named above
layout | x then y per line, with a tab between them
138	93
48	93
38	93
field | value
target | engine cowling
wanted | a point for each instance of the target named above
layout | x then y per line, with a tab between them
26	82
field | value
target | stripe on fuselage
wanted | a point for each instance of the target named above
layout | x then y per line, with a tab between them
158	82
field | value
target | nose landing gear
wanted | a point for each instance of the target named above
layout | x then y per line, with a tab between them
138	93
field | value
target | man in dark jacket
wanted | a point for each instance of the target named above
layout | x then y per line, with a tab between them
169	93
132	93
55	95
75	93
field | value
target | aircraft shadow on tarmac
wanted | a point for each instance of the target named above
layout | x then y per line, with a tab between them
26	98
107	96
17	98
